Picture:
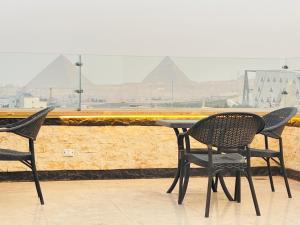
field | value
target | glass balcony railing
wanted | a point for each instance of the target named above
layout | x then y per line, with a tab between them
140	82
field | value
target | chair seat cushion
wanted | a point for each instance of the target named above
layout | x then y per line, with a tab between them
7	154
202	159
263	152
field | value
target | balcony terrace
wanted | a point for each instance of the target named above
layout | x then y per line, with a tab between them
98	185
111	80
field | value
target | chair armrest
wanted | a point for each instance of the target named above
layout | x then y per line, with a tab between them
5	129
14	126
273	131
271	128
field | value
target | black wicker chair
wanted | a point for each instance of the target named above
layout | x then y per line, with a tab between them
225	131
275	122
27	128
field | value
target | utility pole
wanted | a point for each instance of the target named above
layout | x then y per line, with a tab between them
246	90
79	91
172	93
50	96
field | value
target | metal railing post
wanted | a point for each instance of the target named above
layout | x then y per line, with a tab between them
79	91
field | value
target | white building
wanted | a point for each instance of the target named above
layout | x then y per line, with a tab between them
4	103
31	102
276	88
9	102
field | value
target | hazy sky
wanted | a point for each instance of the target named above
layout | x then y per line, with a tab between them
153	27
214	28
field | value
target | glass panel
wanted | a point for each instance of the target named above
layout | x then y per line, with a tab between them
143	83
103	77
38	80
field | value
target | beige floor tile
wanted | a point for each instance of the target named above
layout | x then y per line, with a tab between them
143	202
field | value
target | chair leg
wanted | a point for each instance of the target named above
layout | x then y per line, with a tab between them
285	176
215	184
249	178
176	177
181	176
208	195
283	169
37	183
223	185
237	192
270	175
186	181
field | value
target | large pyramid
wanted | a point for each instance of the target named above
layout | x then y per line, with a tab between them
59	74
167	72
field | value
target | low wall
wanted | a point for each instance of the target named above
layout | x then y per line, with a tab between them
119	147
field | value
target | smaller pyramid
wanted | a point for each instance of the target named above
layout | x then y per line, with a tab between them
60	74
167	72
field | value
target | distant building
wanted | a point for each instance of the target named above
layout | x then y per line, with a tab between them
276	88
31	102
4	103
8	102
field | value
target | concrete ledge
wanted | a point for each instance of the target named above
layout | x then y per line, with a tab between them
121	118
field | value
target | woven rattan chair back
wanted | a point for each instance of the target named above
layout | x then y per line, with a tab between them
278	119
227	130
30	126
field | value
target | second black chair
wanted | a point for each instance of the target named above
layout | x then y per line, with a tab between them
275	123
223	131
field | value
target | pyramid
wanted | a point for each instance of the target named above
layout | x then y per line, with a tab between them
167	72
60	74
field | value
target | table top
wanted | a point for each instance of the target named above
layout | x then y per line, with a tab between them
176	123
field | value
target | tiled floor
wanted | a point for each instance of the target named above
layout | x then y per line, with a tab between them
131	202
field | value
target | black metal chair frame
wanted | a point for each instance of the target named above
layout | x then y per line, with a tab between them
275	123
29	129
194	150
225	131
